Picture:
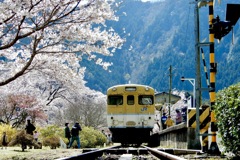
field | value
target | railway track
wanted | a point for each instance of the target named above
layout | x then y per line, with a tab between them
118	152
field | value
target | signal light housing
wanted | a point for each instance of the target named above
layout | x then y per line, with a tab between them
233	13
222	28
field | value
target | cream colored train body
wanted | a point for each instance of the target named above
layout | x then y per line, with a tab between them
130	113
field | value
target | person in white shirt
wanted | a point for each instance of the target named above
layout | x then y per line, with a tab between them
35	135
156	127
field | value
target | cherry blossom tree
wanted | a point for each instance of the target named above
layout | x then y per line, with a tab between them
48	89
89	110
16	108
61	95
42	43
37	33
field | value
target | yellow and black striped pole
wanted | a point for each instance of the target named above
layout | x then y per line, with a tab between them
205	69
204	131
213	69
205	119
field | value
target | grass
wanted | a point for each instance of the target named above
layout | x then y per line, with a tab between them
15	153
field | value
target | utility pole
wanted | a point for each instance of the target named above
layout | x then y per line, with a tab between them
170	89
213	147
198	75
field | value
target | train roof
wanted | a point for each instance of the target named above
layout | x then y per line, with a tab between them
130	85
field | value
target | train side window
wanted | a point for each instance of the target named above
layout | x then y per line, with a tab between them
115	100
145	99
130	100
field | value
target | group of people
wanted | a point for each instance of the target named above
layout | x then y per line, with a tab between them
168	121
30	129
73	134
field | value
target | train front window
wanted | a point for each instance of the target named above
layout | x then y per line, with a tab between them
145	99
115	100
130	100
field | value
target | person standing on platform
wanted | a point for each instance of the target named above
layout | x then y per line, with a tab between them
156	128
169	122
163	120
178	117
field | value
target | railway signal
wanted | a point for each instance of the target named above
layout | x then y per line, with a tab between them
222	28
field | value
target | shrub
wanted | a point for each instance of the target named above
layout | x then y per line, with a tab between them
51	136
51	130
10	132
91	138
227	108
88	136
52	141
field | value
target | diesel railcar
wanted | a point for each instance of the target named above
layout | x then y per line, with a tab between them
130	113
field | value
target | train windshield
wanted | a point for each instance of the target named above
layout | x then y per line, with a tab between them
115	100
145	99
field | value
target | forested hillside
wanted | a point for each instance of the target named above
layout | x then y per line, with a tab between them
162	34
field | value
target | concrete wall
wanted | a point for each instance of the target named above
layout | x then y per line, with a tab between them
179	136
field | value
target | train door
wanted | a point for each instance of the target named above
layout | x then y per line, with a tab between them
130	108
130	104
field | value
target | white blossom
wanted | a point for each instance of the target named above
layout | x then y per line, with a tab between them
65	30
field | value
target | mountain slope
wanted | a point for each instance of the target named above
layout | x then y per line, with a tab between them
162	34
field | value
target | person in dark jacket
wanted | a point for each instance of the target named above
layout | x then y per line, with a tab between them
29	127
29	130
75	135
67	133
4	140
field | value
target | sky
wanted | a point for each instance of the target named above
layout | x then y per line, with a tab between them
152	0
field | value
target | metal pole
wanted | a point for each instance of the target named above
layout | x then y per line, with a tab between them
194	94
170	88
198	77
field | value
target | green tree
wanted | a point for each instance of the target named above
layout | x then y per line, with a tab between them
228	117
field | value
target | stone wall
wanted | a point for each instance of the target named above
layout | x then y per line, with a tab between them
180	137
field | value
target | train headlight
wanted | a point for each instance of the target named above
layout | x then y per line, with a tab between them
146	88
114	89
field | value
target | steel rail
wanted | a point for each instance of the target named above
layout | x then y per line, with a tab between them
160	154
89	155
